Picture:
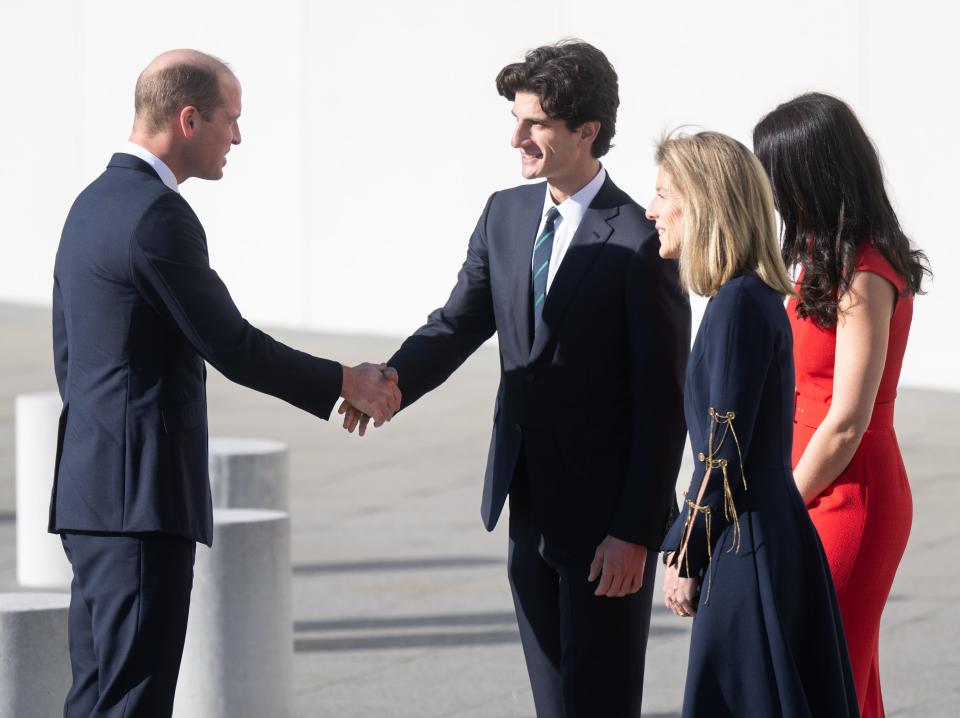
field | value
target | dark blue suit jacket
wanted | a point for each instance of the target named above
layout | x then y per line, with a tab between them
136	310
596	403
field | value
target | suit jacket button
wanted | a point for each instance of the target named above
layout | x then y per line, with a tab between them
530	378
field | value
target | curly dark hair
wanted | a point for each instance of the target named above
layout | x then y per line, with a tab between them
828	187
575	83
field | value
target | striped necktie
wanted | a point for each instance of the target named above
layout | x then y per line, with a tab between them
541	265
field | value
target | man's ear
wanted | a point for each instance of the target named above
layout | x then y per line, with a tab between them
588	131
187	121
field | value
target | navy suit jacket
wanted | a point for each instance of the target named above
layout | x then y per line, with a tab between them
136	310
595	405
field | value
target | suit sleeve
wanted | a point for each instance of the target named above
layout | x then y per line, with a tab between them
59	340
454	331
171	269
658	313
737	358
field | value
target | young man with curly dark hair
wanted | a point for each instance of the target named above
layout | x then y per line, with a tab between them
594	332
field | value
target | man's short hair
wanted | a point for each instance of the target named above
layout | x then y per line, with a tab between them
575	83
160	94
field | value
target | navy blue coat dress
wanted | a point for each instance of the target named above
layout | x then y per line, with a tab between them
767	637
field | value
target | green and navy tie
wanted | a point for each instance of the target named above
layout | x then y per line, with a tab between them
541	265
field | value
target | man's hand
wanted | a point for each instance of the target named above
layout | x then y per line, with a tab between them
369	391
353	417
679	594
619	564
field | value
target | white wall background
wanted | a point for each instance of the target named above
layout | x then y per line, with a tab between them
372	132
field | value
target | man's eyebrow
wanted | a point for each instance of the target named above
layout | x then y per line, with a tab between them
530	119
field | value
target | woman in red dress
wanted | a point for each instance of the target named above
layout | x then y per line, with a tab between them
850	320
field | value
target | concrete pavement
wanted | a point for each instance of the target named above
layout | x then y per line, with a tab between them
401	604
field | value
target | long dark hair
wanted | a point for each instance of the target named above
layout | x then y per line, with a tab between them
828	187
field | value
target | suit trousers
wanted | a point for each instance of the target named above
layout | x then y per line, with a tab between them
585	653
129	602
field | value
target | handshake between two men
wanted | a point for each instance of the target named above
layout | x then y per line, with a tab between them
370	391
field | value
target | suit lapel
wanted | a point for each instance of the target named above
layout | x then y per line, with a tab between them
591	235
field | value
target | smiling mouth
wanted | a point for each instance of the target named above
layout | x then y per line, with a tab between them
530	156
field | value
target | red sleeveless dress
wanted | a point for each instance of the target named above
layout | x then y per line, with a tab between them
863	517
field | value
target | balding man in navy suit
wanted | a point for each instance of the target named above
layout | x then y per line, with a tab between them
136	311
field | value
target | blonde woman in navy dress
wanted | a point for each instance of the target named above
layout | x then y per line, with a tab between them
743	557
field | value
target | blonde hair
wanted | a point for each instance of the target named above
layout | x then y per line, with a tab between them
729	224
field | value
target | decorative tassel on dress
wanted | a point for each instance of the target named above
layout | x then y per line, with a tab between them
714	446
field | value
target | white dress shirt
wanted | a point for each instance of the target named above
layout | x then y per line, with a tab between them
571	212
166	174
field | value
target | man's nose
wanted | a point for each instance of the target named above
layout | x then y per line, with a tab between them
519	135
236	135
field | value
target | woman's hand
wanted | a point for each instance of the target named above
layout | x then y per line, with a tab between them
679	594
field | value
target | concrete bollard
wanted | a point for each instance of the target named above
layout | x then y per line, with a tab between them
238	656
34	655
249	474
41	562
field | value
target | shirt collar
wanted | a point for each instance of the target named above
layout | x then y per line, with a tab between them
165	173
575	206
